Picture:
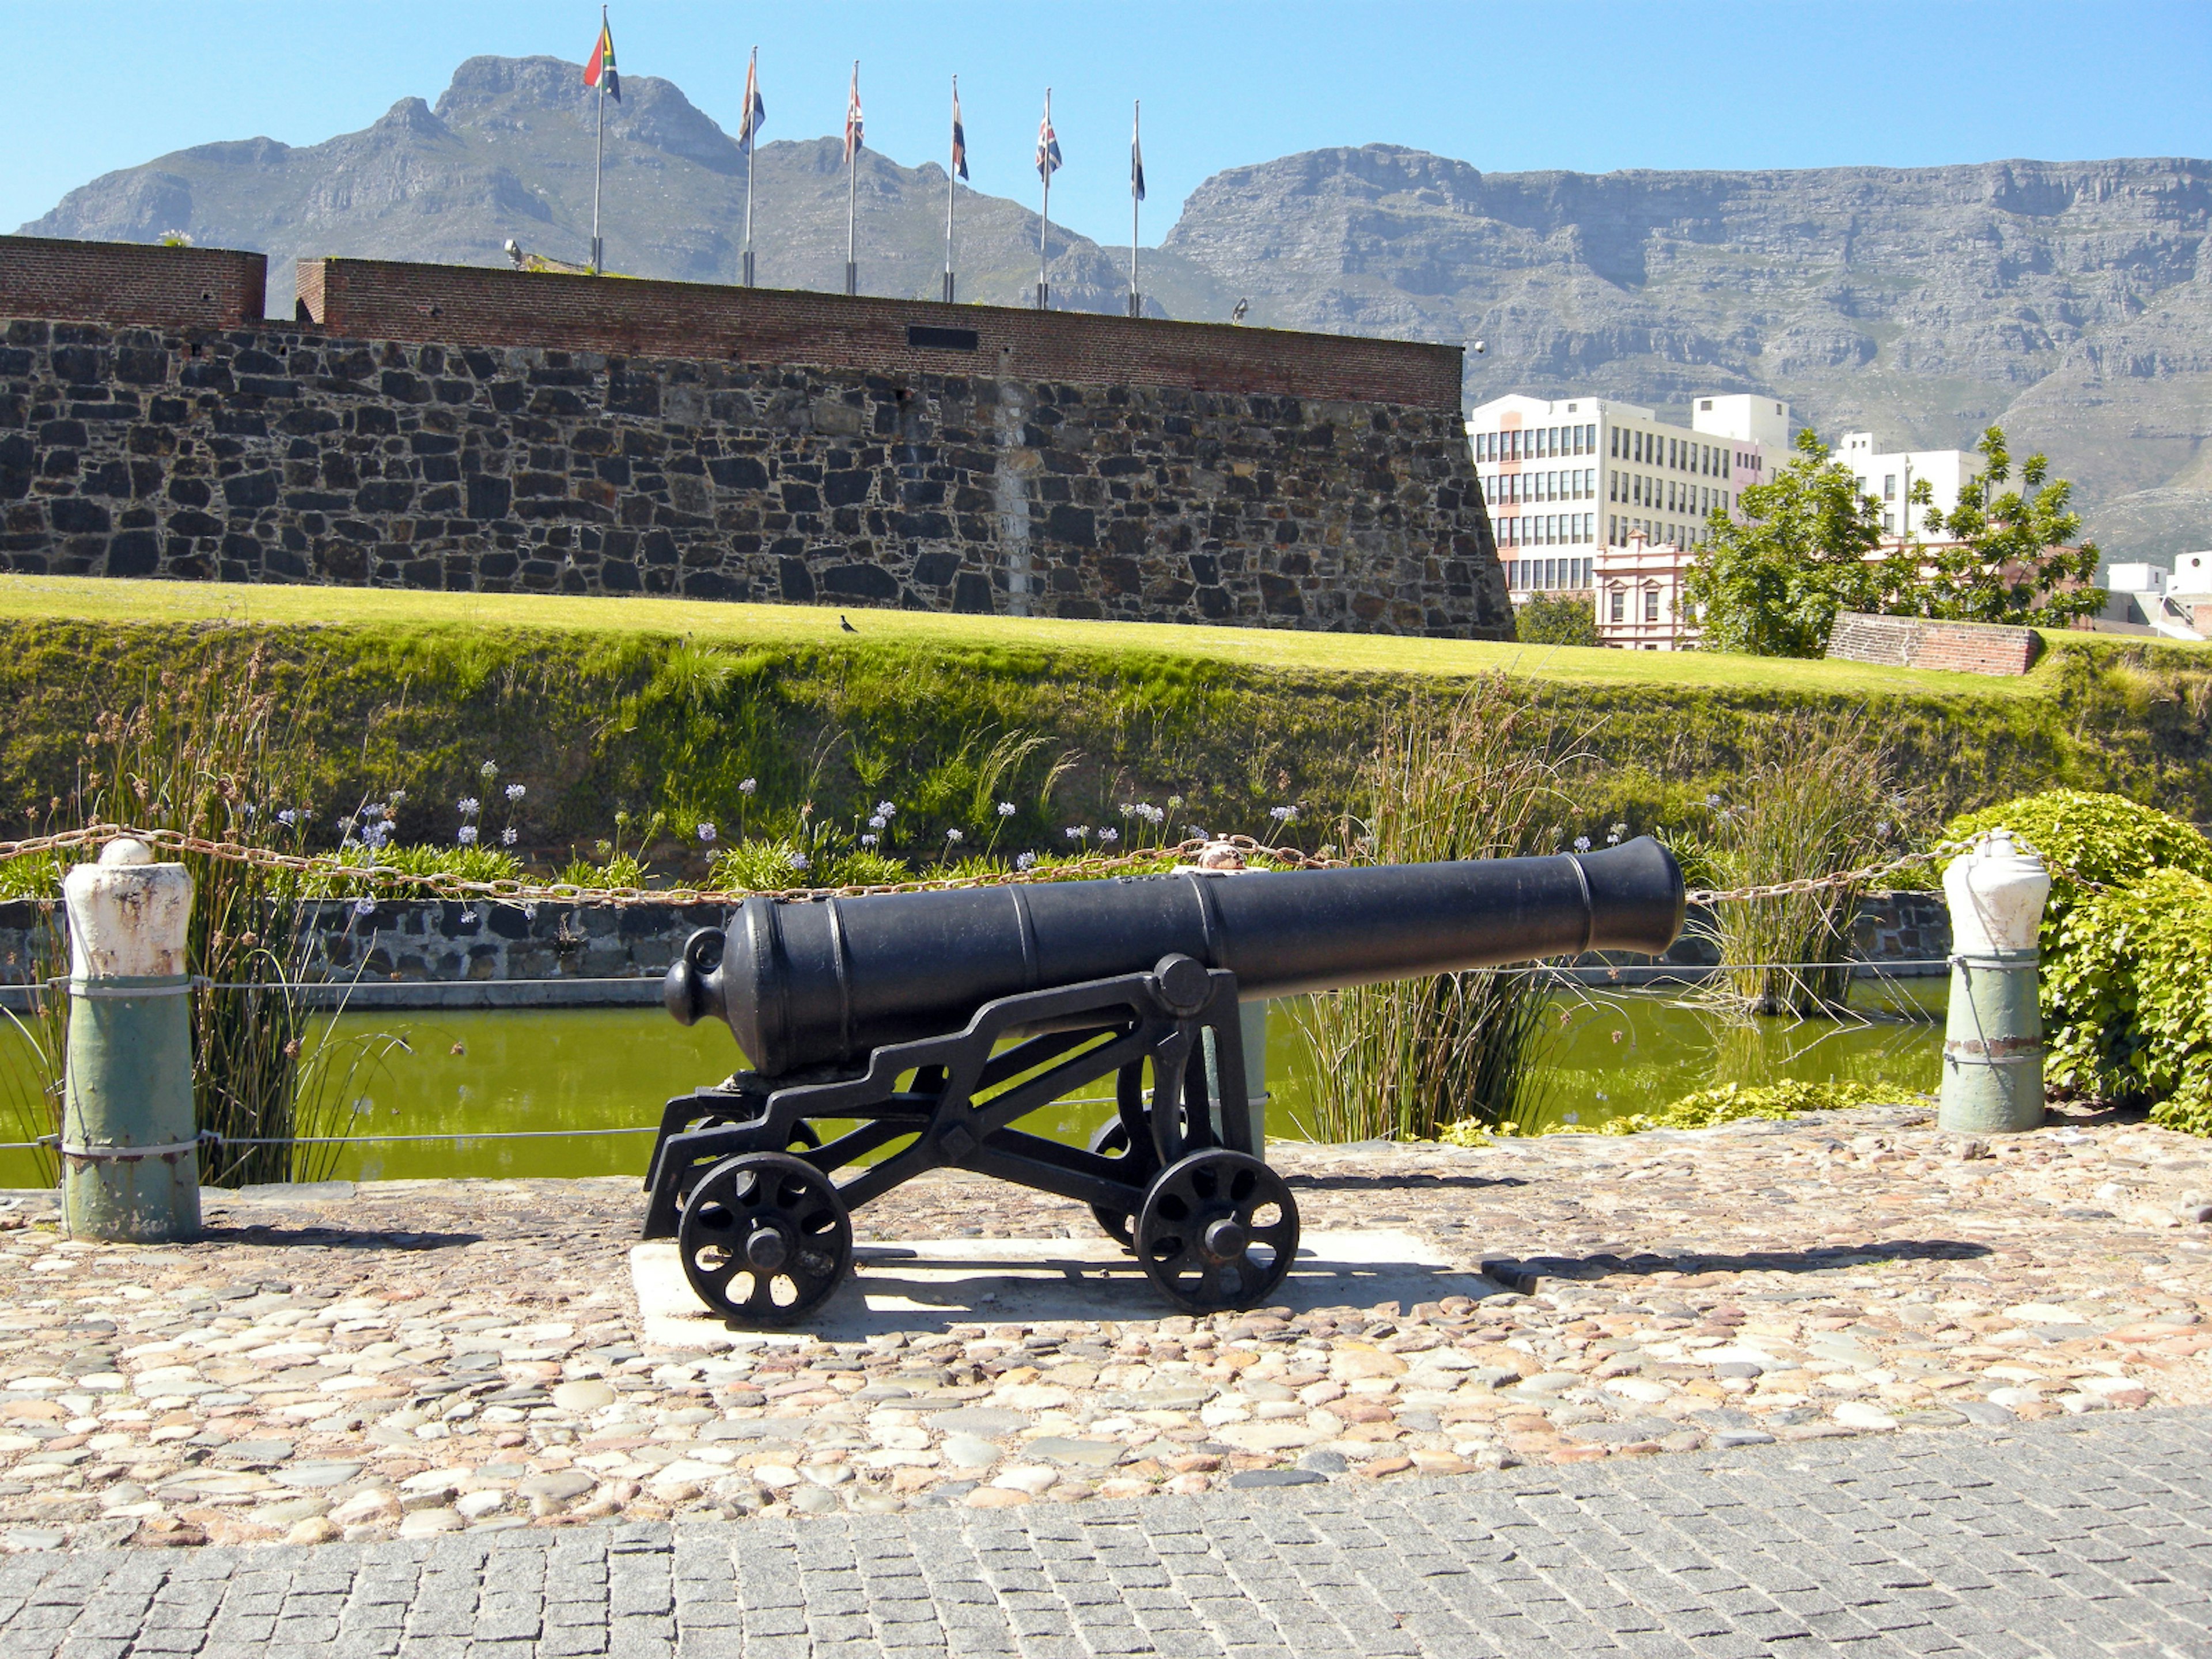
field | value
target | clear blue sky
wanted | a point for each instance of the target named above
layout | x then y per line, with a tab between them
1585	84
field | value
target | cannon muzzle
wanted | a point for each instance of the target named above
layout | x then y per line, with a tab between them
822	982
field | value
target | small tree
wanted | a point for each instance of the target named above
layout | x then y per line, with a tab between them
1547	620
2006	557
1771	583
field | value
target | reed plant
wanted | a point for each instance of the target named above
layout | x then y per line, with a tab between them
212	755
1479	778
1816	798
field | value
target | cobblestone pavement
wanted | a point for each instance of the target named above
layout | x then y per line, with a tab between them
2067	1539
418	1359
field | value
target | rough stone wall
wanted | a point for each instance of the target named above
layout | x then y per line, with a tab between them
281	454
1910	642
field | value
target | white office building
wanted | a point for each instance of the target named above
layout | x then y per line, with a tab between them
1566	476
1889	476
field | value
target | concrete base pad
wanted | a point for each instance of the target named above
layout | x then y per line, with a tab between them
930	1285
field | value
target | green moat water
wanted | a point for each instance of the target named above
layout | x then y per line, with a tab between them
481	1073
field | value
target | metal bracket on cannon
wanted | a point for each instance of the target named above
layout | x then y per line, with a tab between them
742	1175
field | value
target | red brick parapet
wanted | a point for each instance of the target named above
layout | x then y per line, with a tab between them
1915	642
130	282
384	300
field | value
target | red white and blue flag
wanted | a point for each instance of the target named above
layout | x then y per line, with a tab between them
756	111
1048	153
959	135
600	71
1136	159
852	133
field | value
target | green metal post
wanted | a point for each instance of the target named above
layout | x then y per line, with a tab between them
1252	1023
1993	1031
130	1155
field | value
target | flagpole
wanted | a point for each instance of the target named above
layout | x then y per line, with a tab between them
752	149
1136	125
600	152
852	197
1044	220
951	190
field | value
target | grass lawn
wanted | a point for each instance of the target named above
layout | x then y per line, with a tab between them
95	598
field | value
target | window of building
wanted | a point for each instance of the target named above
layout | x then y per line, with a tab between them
1888	522
1619	610
1889	486
1651	604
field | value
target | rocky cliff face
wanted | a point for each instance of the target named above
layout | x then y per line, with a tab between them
2066	301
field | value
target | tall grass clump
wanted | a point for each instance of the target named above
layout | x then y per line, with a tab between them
208	755
1815	799
31	1081
1403	1061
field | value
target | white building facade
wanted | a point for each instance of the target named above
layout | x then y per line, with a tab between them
1567	478
1888	476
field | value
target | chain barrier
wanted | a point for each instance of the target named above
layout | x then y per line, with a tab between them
1223	853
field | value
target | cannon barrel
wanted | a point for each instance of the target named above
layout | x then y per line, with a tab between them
820	982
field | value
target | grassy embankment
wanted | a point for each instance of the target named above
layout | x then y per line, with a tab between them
597	705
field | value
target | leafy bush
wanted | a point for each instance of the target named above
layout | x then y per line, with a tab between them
620	870
2131	978
2127	964
1547	620
2085	836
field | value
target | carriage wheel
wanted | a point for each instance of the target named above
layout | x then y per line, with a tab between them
765	1238
1111	1139
1219	1230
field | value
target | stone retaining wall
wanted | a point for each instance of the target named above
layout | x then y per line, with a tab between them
440	953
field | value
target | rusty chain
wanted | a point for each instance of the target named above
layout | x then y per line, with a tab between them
1224	852
1227	852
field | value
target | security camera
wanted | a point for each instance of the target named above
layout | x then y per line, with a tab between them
1480	347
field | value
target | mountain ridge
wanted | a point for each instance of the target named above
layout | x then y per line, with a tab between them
2069	302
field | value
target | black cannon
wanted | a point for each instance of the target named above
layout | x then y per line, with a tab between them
919	1028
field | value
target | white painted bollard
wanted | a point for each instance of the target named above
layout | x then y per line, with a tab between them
130	1156
1993	1031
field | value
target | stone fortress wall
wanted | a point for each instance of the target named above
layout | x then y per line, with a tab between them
476	430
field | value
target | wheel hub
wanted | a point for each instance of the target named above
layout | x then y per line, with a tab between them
767	1250
1225	1240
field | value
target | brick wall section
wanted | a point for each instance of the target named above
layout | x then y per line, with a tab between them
130	282
1911	642
379	300
282	453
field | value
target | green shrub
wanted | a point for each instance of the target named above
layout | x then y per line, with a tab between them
2085	836
2127	963
2132	975
1546	621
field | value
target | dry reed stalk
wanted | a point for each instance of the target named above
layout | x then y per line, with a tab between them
1816	799
1401	1060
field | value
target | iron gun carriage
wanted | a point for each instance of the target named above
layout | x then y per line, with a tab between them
892	1034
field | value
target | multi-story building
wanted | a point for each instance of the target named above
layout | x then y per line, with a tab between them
1568	477
1639	598
1889	477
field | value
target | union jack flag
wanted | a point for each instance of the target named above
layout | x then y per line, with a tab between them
852	115
1048	156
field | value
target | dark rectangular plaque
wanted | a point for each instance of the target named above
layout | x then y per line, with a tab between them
943	339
